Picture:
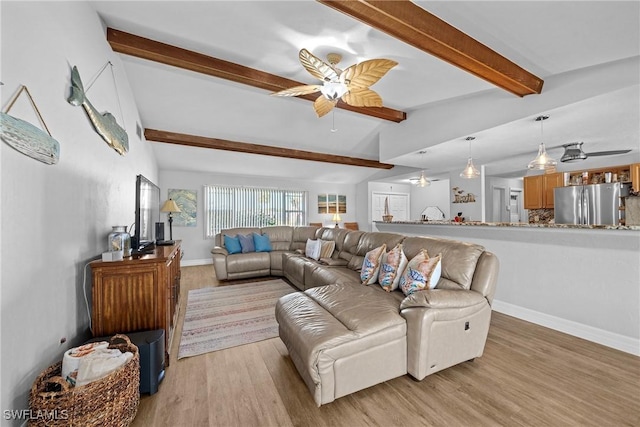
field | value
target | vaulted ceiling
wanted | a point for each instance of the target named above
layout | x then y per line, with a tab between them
568	45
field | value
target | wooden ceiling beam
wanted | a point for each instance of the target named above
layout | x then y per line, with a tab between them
265	150
130	44
413	25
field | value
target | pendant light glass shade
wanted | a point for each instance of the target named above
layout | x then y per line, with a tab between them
470	171
543	160
423	181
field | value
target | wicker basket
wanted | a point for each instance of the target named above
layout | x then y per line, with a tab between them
109	401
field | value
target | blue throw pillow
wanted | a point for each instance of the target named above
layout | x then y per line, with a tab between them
247	243
262	243
232	244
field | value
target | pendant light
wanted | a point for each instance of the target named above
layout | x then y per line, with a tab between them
422	181
470	171
543	160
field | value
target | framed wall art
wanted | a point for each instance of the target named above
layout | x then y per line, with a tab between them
187	201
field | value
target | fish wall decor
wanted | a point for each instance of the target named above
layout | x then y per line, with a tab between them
27	138
104	123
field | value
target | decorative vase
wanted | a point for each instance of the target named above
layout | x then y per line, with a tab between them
120	240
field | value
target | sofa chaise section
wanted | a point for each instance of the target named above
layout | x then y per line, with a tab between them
343	338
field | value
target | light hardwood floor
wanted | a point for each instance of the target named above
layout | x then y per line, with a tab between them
528	376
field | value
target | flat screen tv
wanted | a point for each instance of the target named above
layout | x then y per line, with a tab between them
147	213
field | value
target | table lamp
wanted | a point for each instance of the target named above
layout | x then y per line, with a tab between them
170	207
336	218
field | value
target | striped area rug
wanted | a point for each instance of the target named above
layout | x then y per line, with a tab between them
227	316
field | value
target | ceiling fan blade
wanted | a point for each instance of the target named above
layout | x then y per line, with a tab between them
323	105
317	67
298	90
366	73
362	98
608	153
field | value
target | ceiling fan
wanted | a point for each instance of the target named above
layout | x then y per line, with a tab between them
573	152
350	85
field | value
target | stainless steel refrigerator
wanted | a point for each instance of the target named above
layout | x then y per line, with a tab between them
596	204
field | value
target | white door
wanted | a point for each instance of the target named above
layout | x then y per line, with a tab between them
398	206
515	205
499	205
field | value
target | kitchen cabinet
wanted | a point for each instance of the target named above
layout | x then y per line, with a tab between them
538	190
635	176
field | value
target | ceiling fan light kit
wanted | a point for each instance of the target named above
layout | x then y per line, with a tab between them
470	172
351	85
542	161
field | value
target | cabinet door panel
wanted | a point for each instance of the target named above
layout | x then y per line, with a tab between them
126	302
549	183
533	192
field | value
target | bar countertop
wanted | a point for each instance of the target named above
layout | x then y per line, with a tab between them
516	224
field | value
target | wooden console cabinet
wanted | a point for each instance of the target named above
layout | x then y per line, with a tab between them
137	294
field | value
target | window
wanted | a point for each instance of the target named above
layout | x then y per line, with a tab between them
229	207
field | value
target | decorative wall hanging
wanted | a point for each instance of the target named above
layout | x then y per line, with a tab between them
27	138
332	203
460	197
187	201
104	123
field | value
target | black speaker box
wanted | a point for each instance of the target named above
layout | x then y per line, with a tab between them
151	349
159	231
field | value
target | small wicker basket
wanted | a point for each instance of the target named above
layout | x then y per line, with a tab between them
109	401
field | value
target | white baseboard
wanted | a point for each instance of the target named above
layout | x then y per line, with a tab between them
589	333
192	262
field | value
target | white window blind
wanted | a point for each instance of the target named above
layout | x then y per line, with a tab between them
229	207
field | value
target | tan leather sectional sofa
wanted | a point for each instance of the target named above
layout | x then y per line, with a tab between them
343	336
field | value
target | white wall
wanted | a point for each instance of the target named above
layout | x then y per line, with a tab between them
57	217
197	249
437	194
470	211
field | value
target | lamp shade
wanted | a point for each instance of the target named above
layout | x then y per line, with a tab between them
336	217
170	206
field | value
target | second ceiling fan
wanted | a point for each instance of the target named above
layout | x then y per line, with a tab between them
573	152
350	85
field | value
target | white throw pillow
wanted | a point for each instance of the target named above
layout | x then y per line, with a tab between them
312	250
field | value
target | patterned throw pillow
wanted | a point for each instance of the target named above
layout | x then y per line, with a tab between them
247	243
327	248
371	265
312	249
393	264
422	273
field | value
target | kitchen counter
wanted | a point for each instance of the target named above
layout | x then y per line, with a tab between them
516	224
